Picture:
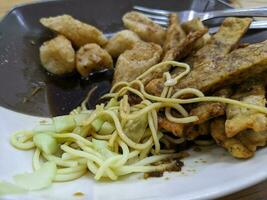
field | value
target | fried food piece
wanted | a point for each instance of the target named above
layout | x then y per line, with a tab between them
174	37
91	57
135	61
196	25
78	32
174	33
221	43
205	58
252	139
176	53
234	146
120	42
185	47
252	91
174	128
144	27
192	131
233	68
208	110
57	56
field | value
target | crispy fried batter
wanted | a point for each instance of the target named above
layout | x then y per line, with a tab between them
121	41
226	39
78	32
134	62
185	47
192	131
144	27
208	110
92	57
195	25
252	139
234	146
204	60
238	119
174	128
176	53
57	56
174	33
238	65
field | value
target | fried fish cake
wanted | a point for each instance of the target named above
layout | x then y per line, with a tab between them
252	91
208	110
135	61
252	139
174	33
120	42
78	32
192	131
174	128
234	146
144	27
196	25
57	56
91	57
175	53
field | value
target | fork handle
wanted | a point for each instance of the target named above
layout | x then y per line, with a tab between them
243	12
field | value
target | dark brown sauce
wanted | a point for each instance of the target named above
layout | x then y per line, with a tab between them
66	93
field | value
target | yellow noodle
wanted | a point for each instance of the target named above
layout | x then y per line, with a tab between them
36	159
69	176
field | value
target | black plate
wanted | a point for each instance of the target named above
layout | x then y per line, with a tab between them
21	35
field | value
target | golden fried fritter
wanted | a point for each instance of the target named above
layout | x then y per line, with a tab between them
176	53
252	139
221	43
57	56
135	61
78	32
196	25
204	61
144	27
208	110
192	131
174	128
234	146
120	42
252	91
174	33
91	57
232	68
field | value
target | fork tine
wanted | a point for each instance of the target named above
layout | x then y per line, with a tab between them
156	17
162	23
151	10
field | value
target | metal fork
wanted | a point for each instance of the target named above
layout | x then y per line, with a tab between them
161	16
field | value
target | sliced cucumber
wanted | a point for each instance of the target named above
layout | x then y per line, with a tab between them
10	188
80	118
64	123
97	123
41	128
39	179
107	128
46	143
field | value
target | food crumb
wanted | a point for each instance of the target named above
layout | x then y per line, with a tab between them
195	161
32	42
78	194
166	178
152	174
197	149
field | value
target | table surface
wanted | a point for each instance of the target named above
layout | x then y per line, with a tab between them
257	192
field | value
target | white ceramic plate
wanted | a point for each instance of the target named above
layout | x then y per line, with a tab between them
207	174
